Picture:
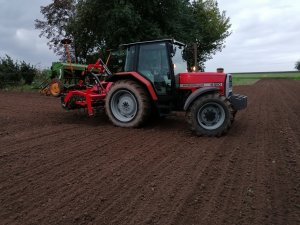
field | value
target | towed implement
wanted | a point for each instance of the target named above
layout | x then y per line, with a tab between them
90	91
155	81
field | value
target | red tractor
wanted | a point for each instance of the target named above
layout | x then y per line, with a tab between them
156	81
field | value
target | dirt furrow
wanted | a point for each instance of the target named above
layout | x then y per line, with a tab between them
59	167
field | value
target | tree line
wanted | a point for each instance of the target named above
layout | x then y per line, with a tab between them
98	25
14	72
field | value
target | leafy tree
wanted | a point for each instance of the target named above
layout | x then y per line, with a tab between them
27	72
211	28
9	71
12	73
58	15
297	65
96	25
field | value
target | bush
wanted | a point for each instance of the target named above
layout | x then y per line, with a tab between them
297	65
12	73
28	72
9	71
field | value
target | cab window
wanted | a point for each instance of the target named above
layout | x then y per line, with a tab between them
154	65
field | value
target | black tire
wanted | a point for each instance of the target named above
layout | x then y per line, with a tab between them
210	115
128	104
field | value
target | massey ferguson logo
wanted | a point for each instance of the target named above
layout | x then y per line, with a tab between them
201	85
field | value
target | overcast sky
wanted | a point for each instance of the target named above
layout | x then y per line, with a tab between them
265	35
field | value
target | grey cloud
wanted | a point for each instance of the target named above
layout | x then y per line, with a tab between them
18	38
265	36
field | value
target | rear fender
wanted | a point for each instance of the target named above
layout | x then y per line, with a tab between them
197	94
137	77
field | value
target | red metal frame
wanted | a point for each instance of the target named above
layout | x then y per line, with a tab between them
97	92
90	95
96	66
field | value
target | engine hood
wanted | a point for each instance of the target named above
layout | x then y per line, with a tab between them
200	79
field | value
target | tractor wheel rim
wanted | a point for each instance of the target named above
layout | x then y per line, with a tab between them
55	88
211	116
123	106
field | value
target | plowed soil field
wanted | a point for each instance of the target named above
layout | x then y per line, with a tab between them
61	167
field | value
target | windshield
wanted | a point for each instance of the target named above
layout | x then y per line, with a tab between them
180	64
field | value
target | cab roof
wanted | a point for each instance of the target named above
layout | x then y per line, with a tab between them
172	41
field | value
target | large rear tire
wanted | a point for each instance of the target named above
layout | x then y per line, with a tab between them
128	104
210	115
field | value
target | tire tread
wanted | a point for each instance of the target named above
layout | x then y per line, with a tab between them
194	127
132	86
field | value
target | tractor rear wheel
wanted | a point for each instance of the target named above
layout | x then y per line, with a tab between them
128	104
210	115
56	87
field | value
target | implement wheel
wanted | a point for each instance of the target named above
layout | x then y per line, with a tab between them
210	115
56	87
128	104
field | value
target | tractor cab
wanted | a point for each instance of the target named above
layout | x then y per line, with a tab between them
158	61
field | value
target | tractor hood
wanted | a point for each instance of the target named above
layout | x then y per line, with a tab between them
200	79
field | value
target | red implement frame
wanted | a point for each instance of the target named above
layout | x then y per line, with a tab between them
90	94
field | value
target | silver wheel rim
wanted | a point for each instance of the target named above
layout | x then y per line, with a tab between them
211	116
123	106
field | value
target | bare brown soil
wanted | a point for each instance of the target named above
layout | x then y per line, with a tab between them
59	167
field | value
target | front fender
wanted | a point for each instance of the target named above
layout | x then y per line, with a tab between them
137	77
196	94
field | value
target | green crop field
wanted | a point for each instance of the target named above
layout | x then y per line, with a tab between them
251	78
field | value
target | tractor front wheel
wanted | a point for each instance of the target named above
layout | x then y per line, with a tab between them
128	104
210	115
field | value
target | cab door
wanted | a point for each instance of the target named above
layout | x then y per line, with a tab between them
154	64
